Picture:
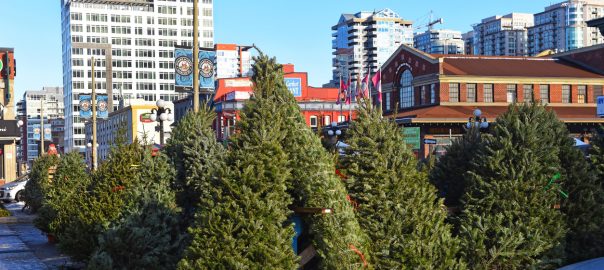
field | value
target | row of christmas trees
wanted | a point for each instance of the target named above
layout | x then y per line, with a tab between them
199	205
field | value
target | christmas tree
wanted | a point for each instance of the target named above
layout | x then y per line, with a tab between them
397	206
148	235
247	227
198	159
38	184
509	218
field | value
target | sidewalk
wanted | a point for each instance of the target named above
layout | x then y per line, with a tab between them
23	246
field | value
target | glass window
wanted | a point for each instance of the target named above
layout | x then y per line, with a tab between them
511	93
453	92
582	94
313	121
341	118
528	92
387	101
597	92
422	95
565	93
433	93
327	120
406	91
544	93
488	92
471	97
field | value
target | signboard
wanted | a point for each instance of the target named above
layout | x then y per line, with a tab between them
85	106
600	108
146	118
183	65
429	141
37	130
238	83
294	85
102	106
9	129
411	136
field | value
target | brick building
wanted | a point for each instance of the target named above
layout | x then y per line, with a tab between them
438	93
318	105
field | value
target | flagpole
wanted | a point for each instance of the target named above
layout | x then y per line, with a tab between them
339	99
349	99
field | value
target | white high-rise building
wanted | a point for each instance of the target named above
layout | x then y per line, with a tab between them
503	35
367	39
563	27
132	42
439	42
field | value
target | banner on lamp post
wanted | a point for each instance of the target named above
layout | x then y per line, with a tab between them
102	106
183	65
85	106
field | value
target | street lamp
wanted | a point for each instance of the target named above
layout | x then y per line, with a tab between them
477	120
165	114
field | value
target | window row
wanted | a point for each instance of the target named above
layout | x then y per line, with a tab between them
528	90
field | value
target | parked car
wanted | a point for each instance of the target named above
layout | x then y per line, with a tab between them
13	190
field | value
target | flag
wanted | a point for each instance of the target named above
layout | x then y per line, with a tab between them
349	89
340	90
377	83
365	89
358	89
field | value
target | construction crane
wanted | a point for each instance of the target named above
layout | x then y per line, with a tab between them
431	23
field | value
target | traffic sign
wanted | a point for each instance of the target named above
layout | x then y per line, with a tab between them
429	141
411	136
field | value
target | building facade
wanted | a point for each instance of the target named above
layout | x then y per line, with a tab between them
48	101
132	42
437	93
503	35
233	61
366	40
468	39
9	129
440	42
563	26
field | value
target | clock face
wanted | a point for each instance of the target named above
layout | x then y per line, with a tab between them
206	68
184	66
85	105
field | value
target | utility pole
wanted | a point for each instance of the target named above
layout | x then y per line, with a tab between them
195	56
93	102
42	133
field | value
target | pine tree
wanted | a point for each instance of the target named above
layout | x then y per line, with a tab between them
449	173
583	207
38	184
148	235
337	237
397	206
198	159
69	181
247	228
509	220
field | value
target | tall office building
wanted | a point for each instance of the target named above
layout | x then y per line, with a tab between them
563	27
233	61
133	44
367	39
439	42
29	110
468	39
503	35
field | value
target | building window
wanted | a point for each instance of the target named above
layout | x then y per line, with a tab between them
582	94
597	92
471	97
453	92
313	121
488	92
528	92
422	95
511	93
544	93
433	93
341	118
406	91
387	101
565	93
327	120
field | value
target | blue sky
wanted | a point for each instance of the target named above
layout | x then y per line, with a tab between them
297	32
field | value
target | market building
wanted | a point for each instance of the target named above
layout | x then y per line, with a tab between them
434	95
9	127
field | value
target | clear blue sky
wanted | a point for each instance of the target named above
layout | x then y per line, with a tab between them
297	32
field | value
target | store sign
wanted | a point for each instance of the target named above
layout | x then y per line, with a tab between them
238	83
429	141
600	108
412	137
8	128
294	85
146	118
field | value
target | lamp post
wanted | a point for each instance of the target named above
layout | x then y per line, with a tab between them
477	120
333	132
161	114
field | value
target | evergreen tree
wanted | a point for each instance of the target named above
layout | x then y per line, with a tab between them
69	182
246	228
449	173
38	184
337	237
397	206
596	153
509	220
198	159
148	235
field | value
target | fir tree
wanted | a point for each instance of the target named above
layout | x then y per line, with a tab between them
198	159
397	206
38	184
148	235
247	229
509	220
449	173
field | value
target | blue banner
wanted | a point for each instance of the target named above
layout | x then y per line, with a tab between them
183	65
85	106
102	106
207	63
294	85
37	129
